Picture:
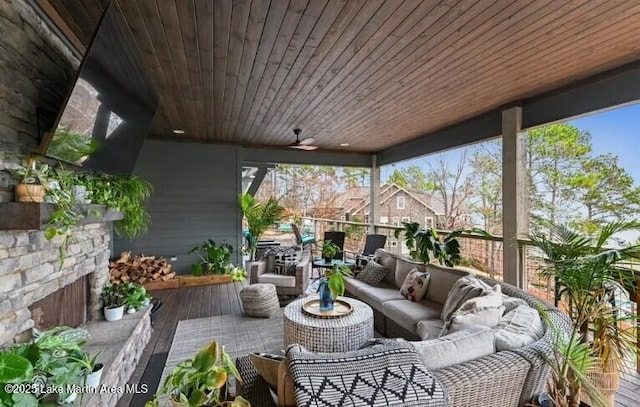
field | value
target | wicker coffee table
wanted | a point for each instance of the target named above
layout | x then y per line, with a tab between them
328	335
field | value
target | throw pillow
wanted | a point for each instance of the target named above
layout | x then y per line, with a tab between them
373	273
463	289
389	374
267	366
285	267
511	303
415	285
278	255
519	327
459	347
484	310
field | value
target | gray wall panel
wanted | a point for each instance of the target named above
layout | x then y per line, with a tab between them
195	198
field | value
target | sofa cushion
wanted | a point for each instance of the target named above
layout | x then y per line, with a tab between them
277	280
415	285
462	346
389	374
441	281
376	296
510	303
519	327
372	274
353	286
463	289
429	329
403	267
407	314
388	260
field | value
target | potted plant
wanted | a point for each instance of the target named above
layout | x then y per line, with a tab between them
332	285
201	381
588	276
428	244
237	273
259	216
113	300
91	370
214	258
329	250
135	296
32	179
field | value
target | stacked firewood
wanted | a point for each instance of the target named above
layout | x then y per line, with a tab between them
139	269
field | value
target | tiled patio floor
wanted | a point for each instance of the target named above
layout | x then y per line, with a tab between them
201	302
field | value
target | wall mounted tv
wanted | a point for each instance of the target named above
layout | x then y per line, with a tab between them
108	112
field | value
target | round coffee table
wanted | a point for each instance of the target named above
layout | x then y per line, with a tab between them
328	335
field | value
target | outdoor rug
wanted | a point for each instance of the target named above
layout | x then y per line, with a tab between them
238	334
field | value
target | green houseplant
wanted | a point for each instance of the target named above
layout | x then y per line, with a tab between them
214	258
113	301
427	244
329	250
259	216
135	296
587	276
202	380
332	285
32	180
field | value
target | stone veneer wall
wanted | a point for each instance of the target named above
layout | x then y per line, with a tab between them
36	71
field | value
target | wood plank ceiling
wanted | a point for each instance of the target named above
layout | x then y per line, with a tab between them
371	73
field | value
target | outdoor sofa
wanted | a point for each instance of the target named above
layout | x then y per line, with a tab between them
466	363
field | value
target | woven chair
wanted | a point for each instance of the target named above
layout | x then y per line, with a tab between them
285	284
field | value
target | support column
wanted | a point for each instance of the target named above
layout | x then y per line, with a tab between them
374	190
514	195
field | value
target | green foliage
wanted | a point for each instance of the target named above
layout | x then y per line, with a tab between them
134	295
71	147
32	172
586	273
411	178
355	232
427	244
336	279
259	216
113	295
201	380
237	273
214	259
329	249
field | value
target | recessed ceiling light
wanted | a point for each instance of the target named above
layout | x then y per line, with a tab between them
178	131
344	145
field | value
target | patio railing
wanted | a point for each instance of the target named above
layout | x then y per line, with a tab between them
483	254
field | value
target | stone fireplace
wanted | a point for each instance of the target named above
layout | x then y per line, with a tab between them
31	270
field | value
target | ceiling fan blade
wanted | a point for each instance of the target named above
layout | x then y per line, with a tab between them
303	147
307	141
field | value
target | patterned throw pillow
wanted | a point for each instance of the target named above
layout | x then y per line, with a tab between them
285	267
279	255
415	285
389	374
485	310
463	289
372	274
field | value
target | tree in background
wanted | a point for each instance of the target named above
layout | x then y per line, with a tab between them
355	177
412	178
453	187
606	191
554	158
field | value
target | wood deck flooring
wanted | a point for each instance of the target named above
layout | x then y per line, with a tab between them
223	299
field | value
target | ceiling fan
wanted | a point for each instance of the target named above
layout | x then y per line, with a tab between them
304	144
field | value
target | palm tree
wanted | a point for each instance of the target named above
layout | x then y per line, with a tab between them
260	216
587	275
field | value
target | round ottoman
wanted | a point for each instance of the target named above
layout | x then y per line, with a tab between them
260	300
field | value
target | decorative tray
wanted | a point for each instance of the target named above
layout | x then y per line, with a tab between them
340	309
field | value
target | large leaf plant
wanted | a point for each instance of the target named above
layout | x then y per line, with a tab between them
427	244
259	216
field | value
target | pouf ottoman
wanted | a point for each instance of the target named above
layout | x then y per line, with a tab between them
260	300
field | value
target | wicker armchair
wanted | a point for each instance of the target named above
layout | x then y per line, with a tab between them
285	285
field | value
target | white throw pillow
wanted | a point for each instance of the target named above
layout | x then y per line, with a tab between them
463	289
463	346
519	327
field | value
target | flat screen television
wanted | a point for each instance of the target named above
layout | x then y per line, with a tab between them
109	110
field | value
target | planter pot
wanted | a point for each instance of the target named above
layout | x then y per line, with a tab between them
93	378
69	400
131	310
146	302
327	260
607	382
113	314
30	193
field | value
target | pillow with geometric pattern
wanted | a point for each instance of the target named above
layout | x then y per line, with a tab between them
373	273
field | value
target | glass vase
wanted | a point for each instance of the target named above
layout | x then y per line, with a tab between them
326	298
